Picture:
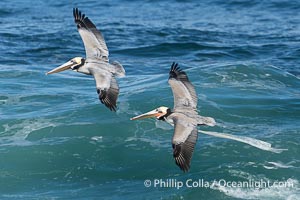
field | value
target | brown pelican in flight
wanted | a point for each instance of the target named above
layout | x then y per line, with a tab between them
184	117
96	62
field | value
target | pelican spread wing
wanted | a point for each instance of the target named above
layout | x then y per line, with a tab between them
185	97
94	43
185	132
183	143
107	88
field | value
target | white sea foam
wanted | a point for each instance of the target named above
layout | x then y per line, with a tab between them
257	79
258	187
262	193
16	134
141	83
152	142
276	165
142	135
11	100
247	140
251	141
97	138
203	98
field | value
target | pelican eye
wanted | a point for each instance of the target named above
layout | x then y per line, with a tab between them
159	111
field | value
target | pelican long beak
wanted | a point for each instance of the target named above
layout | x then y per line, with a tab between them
153	113
61	68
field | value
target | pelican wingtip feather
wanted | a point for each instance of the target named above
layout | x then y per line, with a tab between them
177	73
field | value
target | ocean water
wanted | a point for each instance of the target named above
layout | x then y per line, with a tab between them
58	142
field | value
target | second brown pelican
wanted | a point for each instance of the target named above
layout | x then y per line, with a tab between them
96	62
184	117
